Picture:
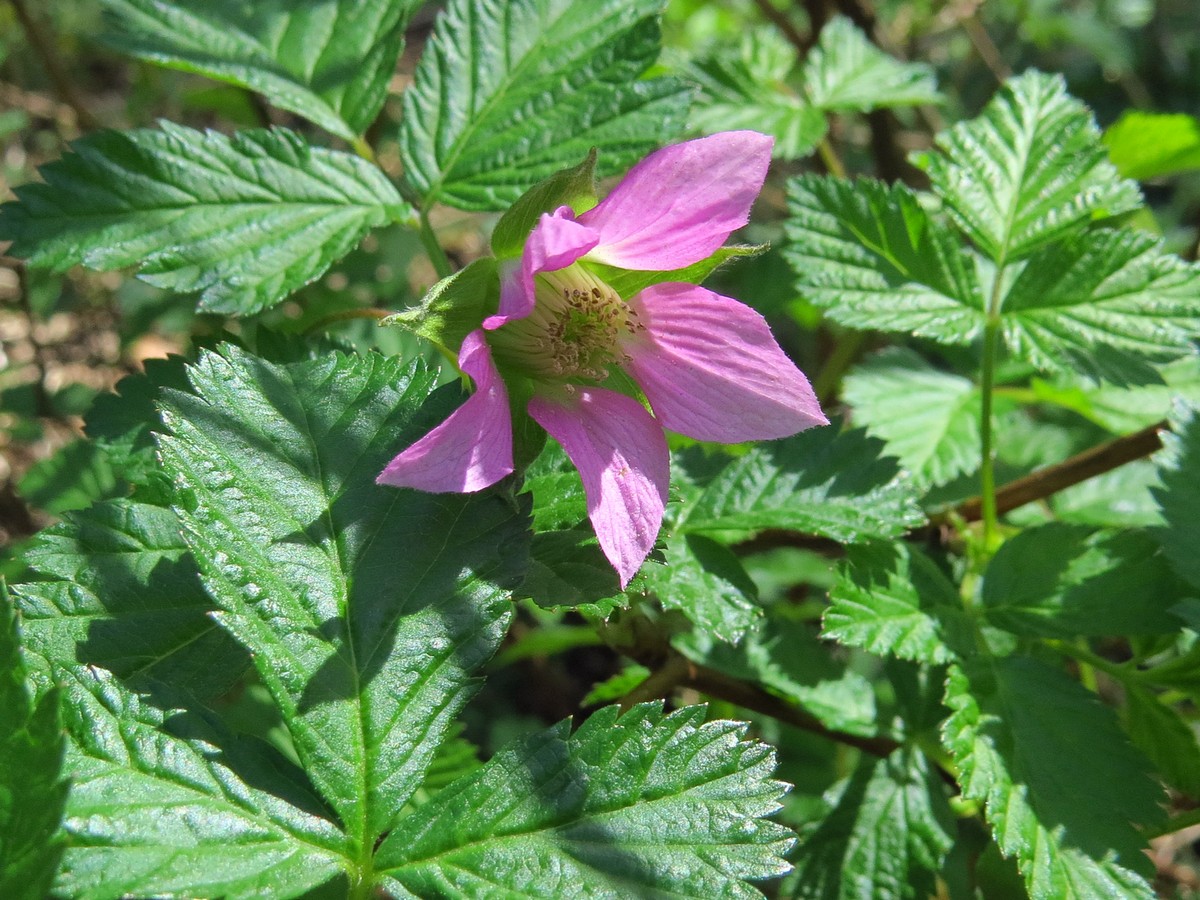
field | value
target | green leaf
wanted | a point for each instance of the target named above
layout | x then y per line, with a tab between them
872	256
641	805
75	477
1016	733
507	93
455	306
329	62
120	590
1102	290
1179	496
367	609
705	581
574	187
1029	170
928	418
887	835
155	809
823	481
845	71
1167	739
786	658
1063	581
32	788
1146	145
244	220
568	568
559	501
893	599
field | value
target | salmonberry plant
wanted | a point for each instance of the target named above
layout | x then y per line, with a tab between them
925	627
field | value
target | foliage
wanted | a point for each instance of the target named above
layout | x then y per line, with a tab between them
854	665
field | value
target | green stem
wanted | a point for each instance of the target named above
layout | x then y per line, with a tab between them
437	256
987	463
845	351
829	156
363	149
1093	660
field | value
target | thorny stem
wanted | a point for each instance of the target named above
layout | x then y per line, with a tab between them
987	467
43	46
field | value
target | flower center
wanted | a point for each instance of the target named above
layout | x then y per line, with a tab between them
573	331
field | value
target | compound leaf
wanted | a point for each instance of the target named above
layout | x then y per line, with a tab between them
368	610
244	220
329	62
510	91
642	805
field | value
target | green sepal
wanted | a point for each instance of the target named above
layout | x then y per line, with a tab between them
574	187
454	307
627	282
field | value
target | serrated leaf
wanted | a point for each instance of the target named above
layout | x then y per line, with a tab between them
329	62
893	599
154	813
872	256
368	610
1168	740
1060	580
559	501
1102	290
928	418
568	569
705	581
244	220
826	482
32	787
886	836
1028	170
119	589
507	93
74	477
640	805
1179	496
846	71
1016	732
1147	145
1121	498
786	658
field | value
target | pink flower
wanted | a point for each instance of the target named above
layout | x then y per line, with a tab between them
708	365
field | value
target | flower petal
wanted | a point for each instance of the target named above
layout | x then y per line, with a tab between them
679	204
472	449
621	454
712	370
556	241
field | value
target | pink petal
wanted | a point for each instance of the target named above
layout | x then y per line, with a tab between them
712	370
679	204
556	241
472	449
622	457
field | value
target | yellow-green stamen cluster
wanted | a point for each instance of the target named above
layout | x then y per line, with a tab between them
573	331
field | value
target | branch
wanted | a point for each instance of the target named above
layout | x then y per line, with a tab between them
1052	479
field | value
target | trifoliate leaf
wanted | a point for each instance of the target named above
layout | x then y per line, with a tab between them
244	220
119	589
786	658
1060	580
845	71
893	599
367	609
823	481
507	93
886	836
1029	170
1179	496
929	418
153	812
32	788
1101	290
329	62
874	258
1017	733
637	806
1146	145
